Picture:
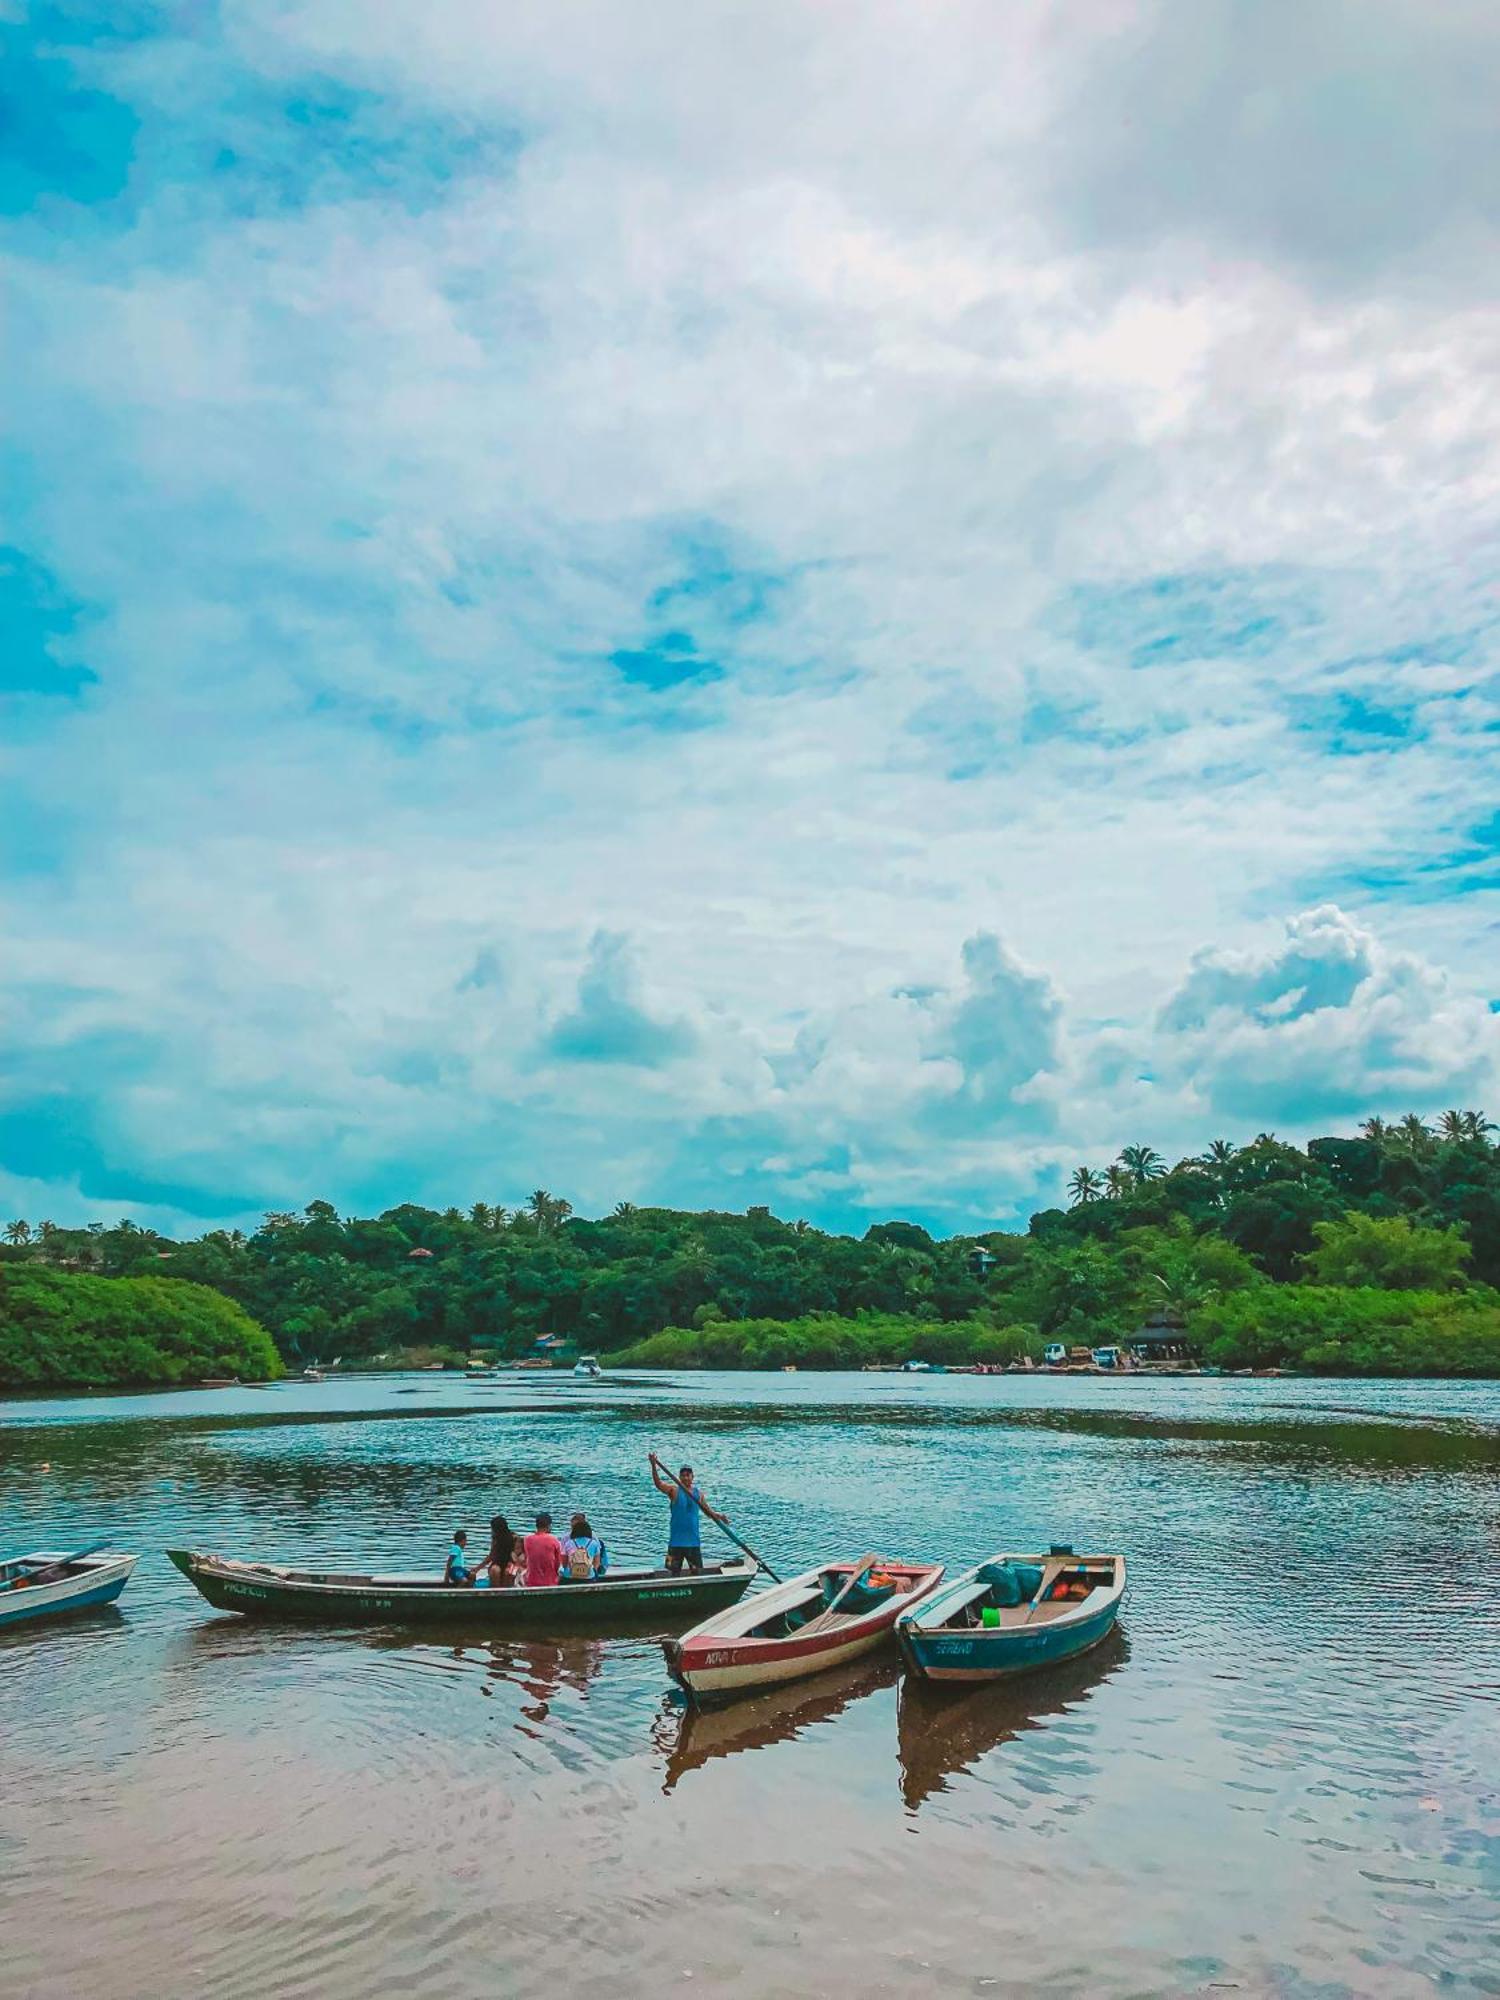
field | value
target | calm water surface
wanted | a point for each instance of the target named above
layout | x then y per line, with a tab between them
1280	1779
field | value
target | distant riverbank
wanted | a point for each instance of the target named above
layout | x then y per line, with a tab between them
1305	1329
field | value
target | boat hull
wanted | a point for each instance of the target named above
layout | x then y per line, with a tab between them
992	1656
99	1581
631	1600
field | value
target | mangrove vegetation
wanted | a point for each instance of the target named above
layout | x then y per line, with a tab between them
1378	1253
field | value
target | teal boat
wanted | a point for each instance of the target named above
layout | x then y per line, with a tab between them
1011	1615
49	1582
626	1598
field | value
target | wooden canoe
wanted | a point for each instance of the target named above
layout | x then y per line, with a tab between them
797	1629
625	1597
1072	1607
88	1581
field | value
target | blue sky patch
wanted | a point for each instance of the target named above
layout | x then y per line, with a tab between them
57	1139
669	661
1351	725
57	138
35	614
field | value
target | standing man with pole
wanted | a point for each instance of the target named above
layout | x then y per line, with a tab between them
684	1535
687	1504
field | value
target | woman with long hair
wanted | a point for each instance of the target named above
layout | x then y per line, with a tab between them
495	1570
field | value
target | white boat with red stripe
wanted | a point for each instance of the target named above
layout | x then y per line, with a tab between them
822	1619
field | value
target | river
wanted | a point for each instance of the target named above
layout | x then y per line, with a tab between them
1280	1779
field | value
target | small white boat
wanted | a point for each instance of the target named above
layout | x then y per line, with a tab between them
820	1619
312	1375
49	1582
586	1368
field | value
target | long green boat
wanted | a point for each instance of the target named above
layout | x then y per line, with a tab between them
629	1599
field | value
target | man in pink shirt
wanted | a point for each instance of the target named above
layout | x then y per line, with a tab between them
543	1554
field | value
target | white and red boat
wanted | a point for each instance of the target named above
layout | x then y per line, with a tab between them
821	1619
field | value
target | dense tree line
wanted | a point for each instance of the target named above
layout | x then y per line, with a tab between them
67	1329
1402	1208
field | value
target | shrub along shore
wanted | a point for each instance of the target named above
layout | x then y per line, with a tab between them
62	1329
1378	1254
1314	1330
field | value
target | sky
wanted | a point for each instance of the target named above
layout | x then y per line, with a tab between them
847	606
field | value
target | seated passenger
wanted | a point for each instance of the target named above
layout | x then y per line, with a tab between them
584	1555
543	1555
456	1570
495	1570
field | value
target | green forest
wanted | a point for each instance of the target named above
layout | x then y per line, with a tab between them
61	1329
1378	1253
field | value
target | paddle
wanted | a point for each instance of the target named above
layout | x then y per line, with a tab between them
49	1570
1050	1573
825	1618
760	1560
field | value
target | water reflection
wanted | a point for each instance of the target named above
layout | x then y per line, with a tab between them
942	1732
691	1737
542	1669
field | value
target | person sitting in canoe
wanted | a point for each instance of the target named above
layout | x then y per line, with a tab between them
584	1555
495	1571
543	1555
456	1569
684	1534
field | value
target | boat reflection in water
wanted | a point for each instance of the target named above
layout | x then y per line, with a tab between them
692	1736
543	1670
943	1731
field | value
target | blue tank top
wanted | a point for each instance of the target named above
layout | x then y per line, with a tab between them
684	1532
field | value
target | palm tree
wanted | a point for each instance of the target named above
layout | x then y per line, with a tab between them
548	1210
1414	1136
1376	1131
1085	1185
1219	1153
18	1233
1117	1181
1456	1125
1142	1163
626	1211
479	1215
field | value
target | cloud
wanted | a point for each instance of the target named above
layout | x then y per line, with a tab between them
1341	141
608	1024
1327	1024
518	477
1001	1030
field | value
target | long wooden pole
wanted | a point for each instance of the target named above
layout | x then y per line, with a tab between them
759	1560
